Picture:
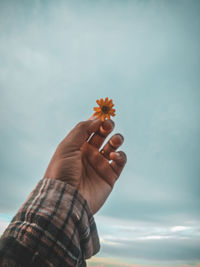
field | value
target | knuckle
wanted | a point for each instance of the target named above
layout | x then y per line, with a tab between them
81	125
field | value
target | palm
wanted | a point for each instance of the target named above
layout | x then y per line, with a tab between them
93	184
79	162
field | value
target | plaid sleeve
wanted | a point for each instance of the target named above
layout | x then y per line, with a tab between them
54	227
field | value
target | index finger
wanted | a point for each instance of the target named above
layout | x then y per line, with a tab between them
100	135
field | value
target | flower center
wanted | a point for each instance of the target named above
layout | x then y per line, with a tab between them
105	109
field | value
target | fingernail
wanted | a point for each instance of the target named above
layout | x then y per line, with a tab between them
120	136
123	155
118	155
108	125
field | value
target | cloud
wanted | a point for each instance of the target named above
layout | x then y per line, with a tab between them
3	224
145	241
179	228
112	262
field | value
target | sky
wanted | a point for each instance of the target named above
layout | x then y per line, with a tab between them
56	59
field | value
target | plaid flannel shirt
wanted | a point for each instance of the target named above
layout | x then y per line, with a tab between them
54	227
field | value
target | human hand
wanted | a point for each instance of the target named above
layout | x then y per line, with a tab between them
78	161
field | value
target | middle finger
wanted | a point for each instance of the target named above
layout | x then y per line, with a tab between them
112	145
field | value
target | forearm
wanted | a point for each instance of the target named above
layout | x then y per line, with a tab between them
54	227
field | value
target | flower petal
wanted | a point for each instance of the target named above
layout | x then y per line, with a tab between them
110	102
106	100
97	108
102	117
108	116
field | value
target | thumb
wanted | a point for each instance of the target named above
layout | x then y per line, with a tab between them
81	133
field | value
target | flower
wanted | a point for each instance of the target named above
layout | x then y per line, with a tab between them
105	109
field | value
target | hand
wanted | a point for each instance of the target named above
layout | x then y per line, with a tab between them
78	161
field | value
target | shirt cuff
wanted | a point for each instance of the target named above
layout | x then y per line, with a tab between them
56	223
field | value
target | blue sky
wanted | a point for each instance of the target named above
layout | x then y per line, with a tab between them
56	59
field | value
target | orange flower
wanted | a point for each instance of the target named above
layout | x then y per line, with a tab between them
105	110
